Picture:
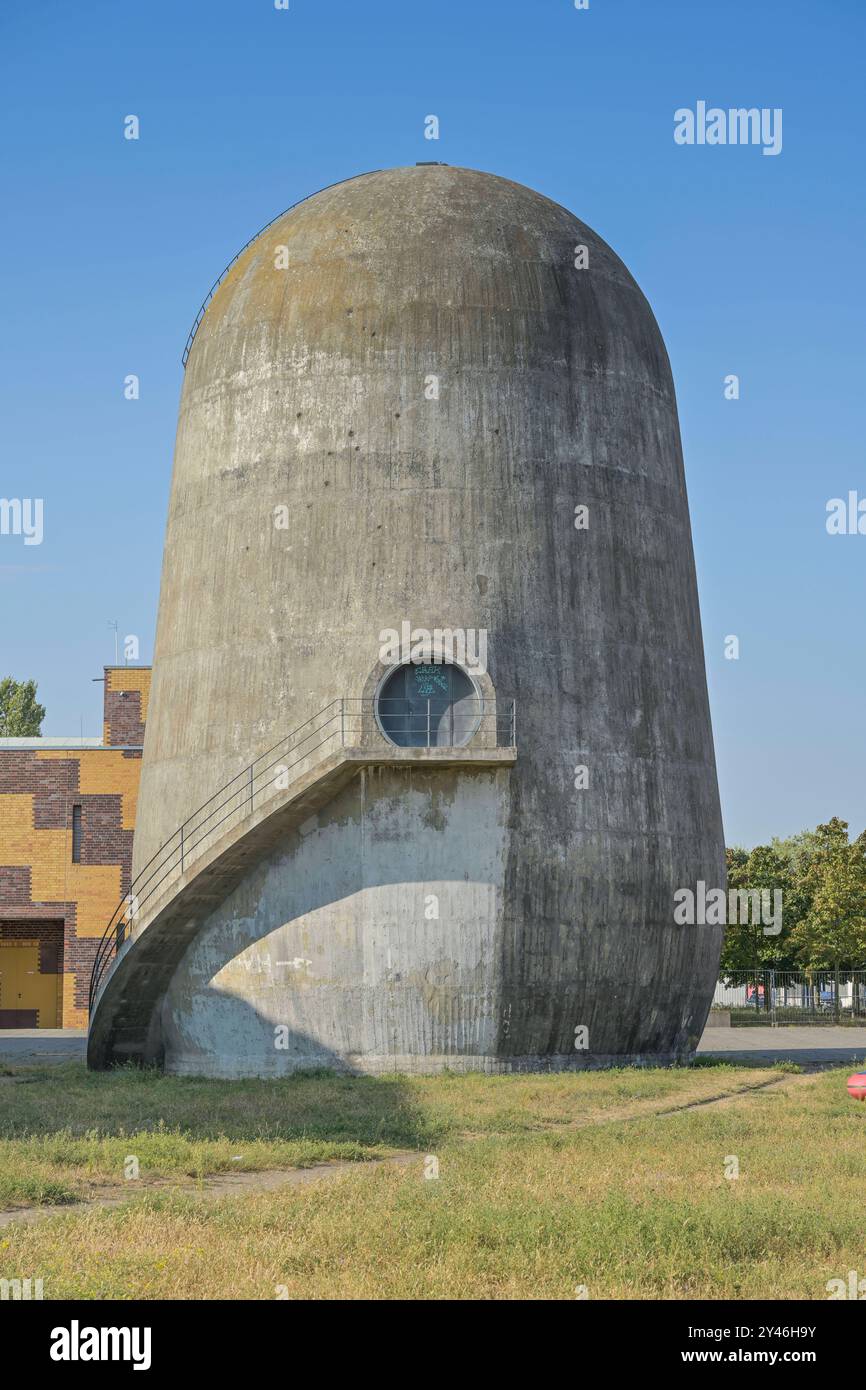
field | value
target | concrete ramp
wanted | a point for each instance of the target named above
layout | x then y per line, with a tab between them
127	999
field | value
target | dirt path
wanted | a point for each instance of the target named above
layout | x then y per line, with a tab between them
271	1179
218	1185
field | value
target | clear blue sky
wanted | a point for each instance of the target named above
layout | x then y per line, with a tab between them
753	264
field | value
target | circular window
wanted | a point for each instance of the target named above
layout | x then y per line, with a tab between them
428	706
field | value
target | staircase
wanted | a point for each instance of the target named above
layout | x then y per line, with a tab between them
208	855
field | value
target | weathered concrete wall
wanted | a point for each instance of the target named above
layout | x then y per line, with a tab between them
125	1023
371	936
306	387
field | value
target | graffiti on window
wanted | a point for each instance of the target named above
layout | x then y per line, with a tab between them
426	680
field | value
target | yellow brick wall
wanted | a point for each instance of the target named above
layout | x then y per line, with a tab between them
94	889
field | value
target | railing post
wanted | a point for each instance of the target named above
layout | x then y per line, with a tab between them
342	722
251	788
428	722
181	849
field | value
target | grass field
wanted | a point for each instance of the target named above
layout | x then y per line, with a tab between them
613	1182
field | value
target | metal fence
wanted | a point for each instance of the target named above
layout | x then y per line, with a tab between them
793	996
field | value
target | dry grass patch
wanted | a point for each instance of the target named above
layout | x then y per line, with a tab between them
64	1130
633	1209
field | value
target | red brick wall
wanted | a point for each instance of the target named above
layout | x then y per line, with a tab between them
126	694
123	719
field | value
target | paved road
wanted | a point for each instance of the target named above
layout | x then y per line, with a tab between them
27	1046
808	1046
812	1046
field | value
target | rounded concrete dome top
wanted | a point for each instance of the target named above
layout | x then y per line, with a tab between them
431	254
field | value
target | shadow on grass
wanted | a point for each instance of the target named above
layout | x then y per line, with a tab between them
318	1106
709	1063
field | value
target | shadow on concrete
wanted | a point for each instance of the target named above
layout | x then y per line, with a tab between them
176	956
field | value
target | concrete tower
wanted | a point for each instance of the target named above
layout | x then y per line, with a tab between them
427	400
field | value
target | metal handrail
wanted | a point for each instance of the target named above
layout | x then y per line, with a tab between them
216	284
238	794
192	832
243	780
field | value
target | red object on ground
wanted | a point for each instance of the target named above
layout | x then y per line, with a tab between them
857	1085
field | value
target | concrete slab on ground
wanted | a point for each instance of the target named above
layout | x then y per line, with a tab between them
28	1046
808	1046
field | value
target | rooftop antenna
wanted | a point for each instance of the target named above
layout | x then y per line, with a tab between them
113	624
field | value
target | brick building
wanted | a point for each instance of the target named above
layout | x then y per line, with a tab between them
67	814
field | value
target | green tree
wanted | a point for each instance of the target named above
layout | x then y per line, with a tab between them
798	850
832	932
20	714
747	946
